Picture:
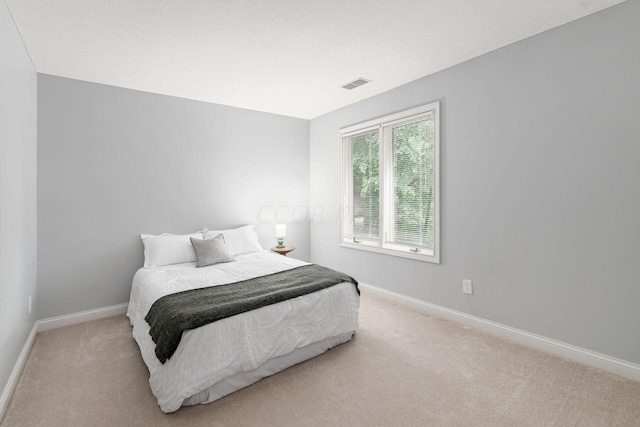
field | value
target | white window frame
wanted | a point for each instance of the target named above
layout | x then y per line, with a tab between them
379	245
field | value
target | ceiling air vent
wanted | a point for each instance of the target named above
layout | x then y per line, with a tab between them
354	84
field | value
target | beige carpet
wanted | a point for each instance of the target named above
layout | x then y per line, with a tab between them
403	368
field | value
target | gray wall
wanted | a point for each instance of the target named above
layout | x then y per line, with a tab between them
18	117
114	163
540	185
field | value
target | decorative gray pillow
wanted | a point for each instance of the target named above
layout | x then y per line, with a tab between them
211	251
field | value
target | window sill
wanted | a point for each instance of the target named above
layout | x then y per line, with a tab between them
393	252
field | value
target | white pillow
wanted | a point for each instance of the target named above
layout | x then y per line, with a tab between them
166	249
241	240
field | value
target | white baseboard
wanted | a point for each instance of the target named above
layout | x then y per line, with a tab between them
83	316
567	351
17	369
48	324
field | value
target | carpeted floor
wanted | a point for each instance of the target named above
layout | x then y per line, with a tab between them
403	368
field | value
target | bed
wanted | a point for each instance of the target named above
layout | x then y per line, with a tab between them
219	358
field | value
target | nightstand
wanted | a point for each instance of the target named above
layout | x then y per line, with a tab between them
284	251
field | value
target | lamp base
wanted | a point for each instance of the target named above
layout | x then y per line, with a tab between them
280	244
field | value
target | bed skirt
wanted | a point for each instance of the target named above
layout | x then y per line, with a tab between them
271	367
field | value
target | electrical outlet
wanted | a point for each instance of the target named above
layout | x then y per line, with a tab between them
467	286
29	305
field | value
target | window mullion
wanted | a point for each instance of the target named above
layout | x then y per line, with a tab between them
382	179
387	170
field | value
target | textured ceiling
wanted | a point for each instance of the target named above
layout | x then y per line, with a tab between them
282	56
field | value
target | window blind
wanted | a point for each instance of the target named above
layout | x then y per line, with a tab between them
409	183
364	180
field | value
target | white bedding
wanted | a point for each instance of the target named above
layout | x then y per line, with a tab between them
238	346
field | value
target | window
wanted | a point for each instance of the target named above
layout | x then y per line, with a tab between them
390	184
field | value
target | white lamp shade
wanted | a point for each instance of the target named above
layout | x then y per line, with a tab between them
281	230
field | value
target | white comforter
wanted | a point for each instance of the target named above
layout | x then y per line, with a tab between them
236	344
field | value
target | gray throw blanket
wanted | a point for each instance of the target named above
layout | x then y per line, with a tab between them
173	314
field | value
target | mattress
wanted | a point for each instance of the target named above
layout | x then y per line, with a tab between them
221	357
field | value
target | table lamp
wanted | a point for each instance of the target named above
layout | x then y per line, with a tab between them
281	233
